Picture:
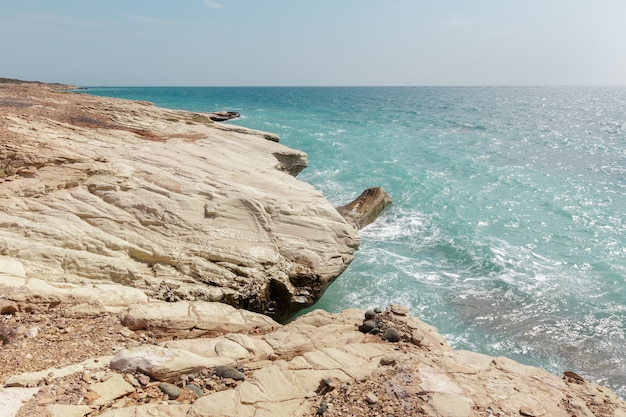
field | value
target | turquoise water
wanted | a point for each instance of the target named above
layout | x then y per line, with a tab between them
508	228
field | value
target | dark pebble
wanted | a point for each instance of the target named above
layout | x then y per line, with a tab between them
171	390
378	310
367	326
370	314
392	335
229	372
195	389
375	330
322	408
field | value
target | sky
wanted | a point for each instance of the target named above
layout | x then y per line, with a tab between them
314	42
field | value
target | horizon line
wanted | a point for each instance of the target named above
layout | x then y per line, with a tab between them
363	86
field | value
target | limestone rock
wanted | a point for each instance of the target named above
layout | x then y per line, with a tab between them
399	309
451	405
62	410
12	399
152	410
31	379
321	359
98	190
203	318
163	364
111	389
366	208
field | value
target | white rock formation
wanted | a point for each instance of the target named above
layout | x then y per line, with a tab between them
99	190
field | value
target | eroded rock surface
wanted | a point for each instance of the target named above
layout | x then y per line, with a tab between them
365	208
98	190
319	364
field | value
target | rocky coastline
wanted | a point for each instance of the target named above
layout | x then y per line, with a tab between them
172	202
150	258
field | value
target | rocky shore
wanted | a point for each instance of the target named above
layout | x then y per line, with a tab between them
139	248
185	208
120	354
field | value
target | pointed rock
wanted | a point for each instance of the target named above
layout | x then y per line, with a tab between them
366	208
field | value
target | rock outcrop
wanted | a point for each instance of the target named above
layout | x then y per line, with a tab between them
319	364
97	190
366	207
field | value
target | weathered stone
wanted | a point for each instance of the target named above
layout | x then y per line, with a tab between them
399	309
162	364
417	337
451	405
11	266
195	388
143	379
62	410
392	335
370	314
111	389
573	375
229	372
366	208
206	318
221	404
367	326
171	390
446	382
222	116
12	399
31	379
149	410
388	360
371	398
527	411
164	201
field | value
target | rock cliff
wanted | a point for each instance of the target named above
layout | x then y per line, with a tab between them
98	190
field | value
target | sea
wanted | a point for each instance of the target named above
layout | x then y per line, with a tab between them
507	230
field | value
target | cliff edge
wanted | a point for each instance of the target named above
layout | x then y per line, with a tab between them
98	190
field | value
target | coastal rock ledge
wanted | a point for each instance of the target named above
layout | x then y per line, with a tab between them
197	358
99	190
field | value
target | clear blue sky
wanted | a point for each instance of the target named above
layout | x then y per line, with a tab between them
314	42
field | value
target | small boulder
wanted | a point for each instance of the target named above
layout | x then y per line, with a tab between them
392	335
371	398
196	389
229	372
367	326
171	390
417	337
399	309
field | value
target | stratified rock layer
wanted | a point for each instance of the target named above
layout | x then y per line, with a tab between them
98	190
319	364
